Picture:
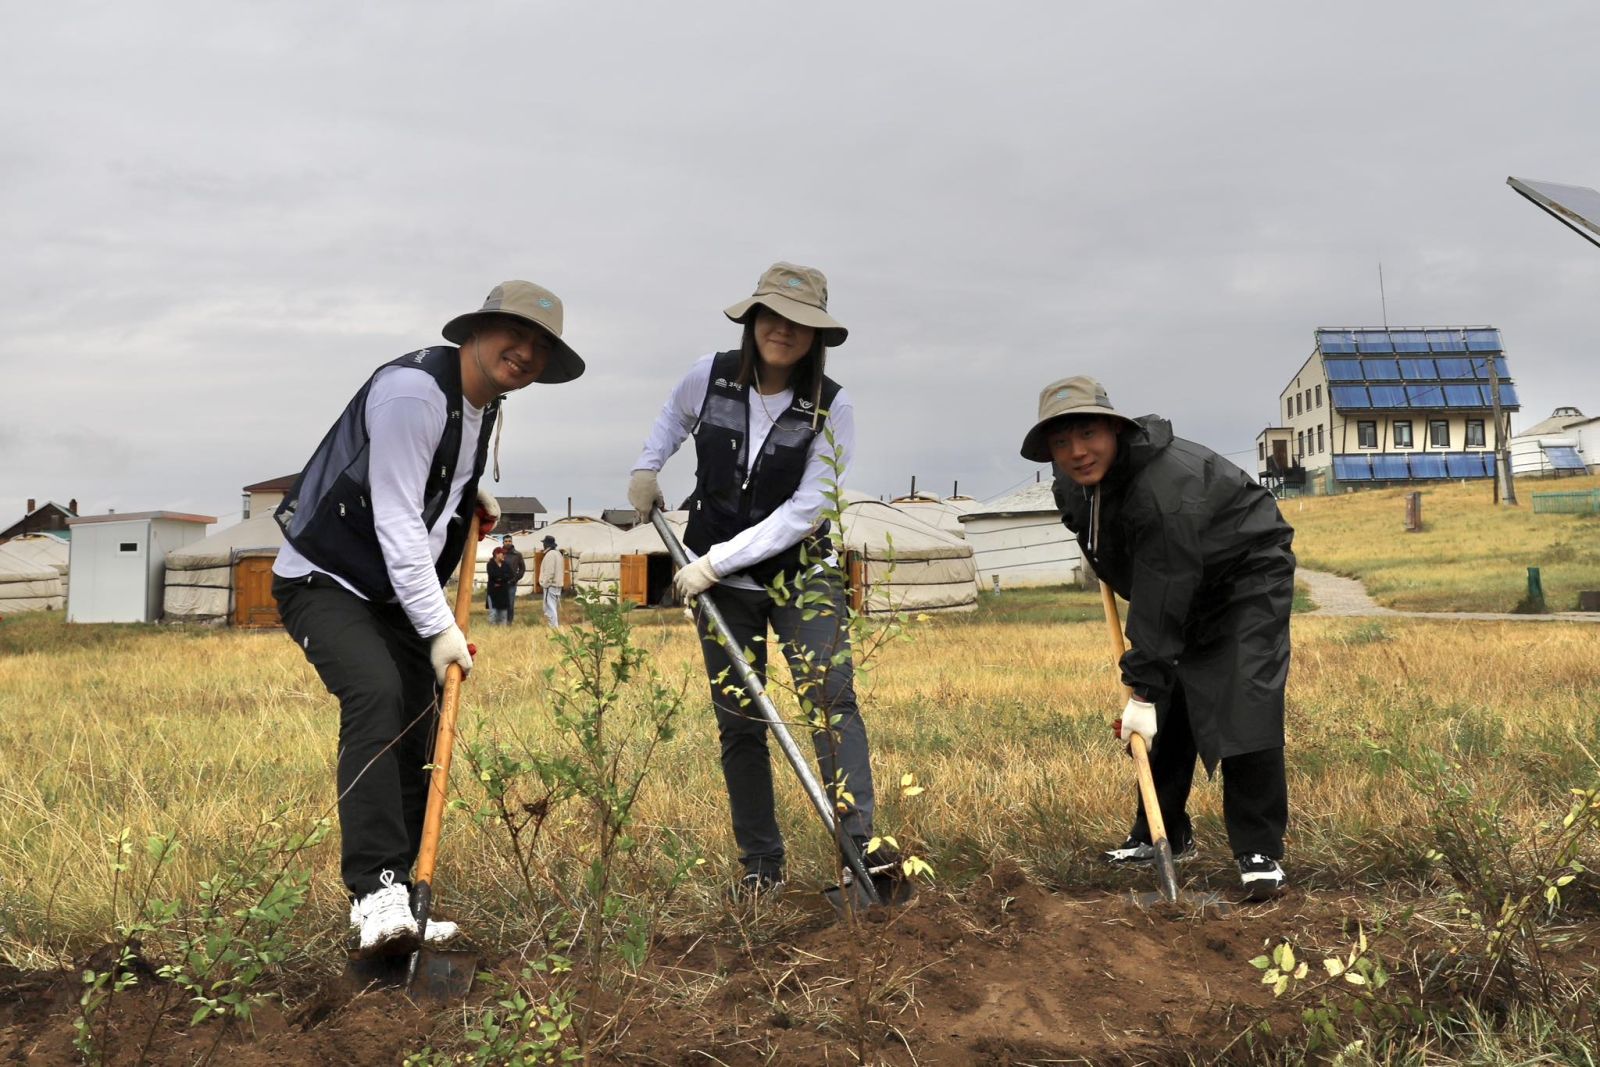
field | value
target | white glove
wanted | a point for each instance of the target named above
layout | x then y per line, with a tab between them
694	579
1137	718
449	646
644	493
488	512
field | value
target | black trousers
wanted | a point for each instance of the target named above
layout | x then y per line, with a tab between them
1255	793
371	659
842	757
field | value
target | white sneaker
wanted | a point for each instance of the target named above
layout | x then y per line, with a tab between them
1261	877
439	930
385	921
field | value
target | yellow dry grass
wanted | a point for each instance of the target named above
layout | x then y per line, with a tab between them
1470	556
196	734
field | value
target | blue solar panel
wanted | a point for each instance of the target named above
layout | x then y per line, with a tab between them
1564	459
1446	341
1390	467
1425	396
1335	341
1416	370
1483	340
1351	468
1428	465
1500	367
1388	396
1349	396
1374	341
1343	370
1463	396
1380	370
1508	395
1456	367
1409	340
1464	464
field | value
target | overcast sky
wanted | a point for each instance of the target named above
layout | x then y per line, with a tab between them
219	218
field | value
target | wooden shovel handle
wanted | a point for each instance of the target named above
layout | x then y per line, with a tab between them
444	741
1141	755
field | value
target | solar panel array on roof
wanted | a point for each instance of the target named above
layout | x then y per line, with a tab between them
1415	466
1370	364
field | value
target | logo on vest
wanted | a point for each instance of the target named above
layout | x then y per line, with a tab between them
805	405
722	383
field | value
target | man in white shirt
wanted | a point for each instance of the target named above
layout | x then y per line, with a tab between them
374	527
552	576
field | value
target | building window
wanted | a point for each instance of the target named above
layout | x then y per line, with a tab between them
1367	434
1402	434
1439	433
1299	444
1319	438
1319	396
1288	409
1261	451
1474	433
1297	403
1308	400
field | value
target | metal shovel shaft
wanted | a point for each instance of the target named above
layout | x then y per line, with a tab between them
758	695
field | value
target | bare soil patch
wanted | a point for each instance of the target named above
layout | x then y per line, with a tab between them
1004	972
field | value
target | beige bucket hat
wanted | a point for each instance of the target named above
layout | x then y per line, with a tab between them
799	294
533	304
1078	395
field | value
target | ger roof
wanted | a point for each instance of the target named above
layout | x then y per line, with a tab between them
1416	367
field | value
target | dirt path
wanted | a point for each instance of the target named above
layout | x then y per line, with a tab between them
1335	595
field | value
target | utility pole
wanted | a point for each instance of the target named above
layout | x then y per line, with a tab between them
1505	492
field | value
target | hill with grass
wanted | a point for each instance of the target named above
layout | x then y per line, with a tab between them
1471	555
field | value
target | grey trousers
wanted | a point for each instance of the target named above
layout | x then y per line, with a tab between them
842	755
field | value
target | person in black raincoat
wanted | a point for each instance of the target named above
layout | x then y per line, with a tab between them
1203	557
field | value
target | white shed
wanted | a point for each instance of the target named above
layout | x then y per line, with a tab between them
118	563
1020	540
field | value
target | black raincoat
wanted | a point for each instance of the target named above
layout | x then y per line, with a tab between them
1203	558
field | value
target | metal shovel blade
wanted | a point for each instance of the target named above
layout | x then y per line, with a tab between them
892	893
441	974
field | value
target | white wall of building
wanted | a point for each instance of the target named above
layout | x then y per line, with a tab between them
118	565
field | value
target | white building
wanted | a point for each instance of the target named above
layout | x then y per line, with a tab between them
1019	539
118	563
1555	446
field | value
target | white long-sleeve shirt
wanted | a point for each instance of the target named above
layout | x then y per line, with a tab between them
795	517
406	416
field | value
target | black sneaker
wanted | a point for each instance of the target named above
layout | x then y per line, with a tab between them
1134	853
1261	876
760	884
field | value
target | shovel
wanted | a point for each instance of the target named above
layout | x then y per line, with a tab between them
865	890
1166	871
438	974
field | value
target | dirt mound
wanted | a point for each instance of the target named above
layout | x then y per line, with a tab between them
1002	972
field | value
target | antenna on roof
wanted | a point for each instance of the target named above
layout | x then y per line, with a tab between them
1381	297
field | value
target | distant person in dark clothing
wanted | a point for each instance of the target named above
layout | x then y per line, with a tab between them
500	588
519	567
1203	558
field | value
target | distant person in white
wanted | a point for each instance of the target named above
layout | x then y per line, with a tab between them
768	424
375	525
552	576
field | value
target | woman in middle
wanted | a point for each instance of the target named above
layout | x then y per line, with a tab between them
769	428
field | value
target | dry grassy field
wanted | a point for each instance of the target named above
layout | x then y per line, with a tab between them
1431	767
1470	556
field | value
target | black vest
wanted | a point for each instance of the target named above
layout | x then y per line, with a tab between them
327	515
732	492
